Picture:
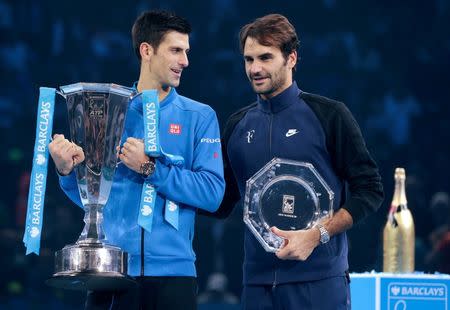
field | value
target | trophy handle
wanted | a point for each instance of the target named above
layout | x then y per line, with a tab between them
133	96
62	94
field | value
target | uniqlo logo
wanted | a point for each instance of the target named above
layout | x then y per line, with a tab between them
175	129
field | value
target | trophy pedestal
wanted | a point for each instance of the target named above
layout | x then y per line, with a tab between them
91	266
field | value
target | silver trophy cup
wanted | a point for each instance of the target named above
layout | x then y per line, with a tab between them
96	118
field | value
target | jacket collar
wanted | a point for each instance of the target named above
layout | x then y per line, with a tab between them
165	102
280	101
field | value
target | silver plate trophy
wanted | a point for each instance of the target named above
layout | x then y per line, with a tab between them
288	194
96	118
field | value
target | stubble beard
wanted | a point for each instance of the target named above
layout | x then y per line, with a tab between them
273	85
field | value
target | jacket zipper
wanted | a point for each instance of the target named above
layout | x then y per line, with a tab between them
270	136
274	284
142	252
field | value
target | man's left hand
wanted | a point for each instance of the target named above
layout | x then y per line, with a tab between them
298	244
132	154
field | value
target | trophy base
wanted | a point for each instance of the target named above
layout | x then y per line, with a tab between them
92	282
91	266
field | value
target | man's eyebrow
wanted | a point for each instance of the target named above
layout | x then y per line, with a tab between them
265	55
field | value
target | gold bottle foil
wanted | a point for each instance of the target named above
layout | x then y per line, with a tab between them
398	234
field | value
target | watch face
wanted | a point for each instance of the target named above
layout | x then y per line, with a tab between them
148	168
324	236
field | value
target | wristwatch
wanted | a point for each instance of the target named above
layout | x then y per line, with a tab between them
324	235
148	167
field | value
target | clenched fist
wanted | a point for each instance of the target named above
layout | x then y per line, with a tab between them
65	154
298	244
132	154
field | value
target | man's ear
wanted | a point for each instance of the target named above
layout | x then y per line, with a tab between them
146	51
292	59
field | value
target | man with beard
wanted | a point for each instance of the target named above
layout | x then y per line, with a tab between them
310	270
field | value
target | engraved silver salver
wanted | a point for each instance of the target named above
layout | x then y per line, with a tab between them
288	194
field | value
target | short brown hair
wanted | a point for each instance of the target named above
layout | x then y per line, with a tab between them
152	26
271	30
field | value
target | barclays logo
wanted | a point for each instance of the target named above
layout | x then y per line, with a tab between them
172	206
395	290
146	210
40	159
414	290
34	232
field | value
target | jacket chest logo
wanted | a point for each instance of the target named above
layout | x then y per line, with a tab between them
250	135
175	129
292	132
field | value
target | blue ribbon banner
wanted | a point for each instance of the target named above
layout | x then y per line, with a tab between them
38	181
151	122
153	148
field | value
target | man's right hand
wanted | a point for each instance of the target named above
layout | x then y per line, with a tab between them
65	154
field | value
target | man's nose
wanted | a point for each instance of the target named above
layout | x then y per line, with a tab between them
183	61
255	68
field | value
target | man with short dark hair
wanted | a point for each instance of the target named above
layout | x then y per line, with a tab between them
161	257
310	270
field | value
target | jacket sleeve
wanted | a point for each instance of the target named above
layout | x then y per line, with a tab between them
203	185
355	165
232	195
69	186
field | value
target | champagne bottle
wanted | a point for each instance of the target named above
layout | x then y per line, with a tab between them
398	234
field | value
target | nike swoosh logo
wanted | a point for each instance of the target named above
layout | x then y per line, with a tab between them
292	132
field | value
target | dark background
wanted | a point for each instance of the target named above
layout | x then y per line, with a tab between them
389	62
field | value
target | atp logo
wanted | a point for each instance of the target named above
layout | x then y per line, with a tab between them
34	232
288	204
40	159
146	210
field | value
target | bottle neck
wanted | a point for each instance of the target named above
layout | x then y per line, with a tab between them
399	199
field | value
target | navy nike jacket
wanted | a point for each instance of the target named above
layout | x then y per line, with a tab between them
303	127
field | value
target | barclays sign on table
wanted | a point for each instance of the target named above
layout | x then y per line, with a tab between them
383	291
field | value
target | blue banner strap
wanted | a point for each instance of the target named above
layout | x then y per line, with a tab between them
38	180
152	147
171	213
171	209
150	105
147	207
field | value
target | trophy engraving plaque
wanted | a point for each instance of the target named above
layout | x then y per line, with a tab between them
96	118
288	194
